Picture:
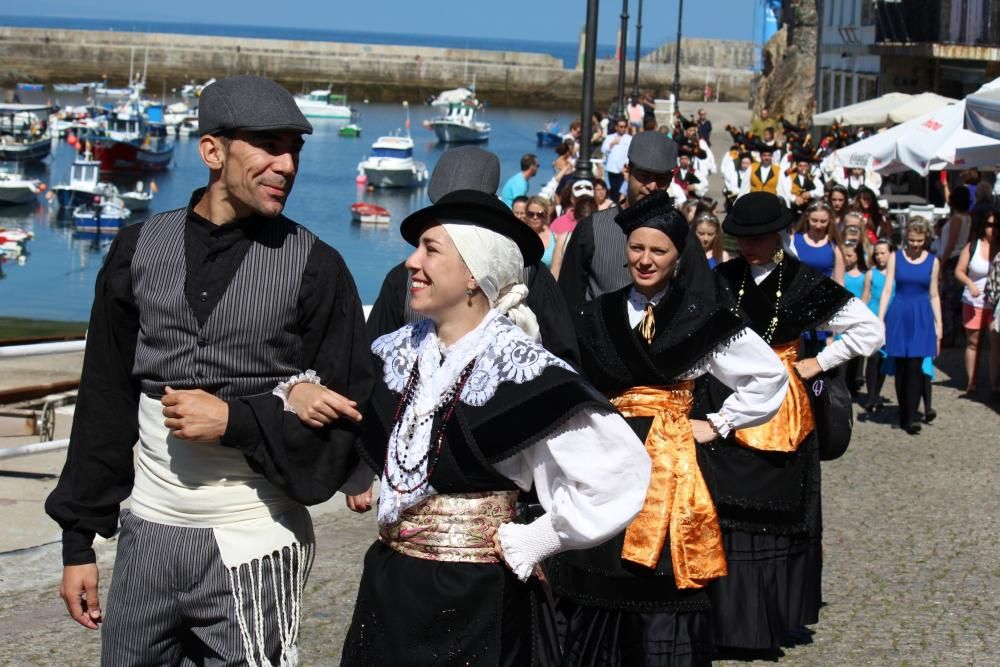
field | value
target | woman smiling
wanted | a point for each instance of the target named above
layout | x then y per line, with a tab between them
471	411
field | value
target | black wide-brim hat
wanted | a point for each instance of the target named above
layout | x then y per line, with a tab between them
756	214
479	209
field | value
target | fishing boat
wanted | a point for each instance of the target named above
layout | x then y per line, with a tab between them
84	183
24	132
350	130
459	124
324	104
133	142
391	164
549	134
104	216
16	189
366	213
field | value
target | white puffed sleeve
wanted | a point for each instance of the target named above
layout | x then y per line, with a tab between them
591	479
759	380
861	333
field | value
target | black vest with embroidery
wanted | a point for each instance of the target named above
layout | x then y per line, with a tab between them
249	343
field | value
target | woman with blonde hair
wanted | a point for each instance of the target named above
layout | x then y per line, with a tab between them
708	229
538	216
913	319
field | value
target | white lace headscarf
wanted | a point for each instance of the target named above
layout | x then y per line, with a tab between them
498	267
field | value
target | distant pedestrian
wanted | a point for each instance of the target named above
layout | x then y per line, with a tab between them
517	185
704	126
615	150
972	270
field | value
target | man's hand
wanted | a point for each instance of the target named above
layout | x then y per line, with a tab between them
79	592
808	368
193	414
318	406
360	503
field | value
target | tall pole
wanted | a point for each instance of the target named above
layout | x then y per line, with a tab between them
622	57
638	40
677	57
583	167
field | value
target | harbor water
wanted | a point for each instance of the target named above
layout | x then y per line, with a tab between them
56	279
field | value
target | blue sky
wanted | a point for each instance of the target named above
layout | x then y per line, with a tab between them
535	20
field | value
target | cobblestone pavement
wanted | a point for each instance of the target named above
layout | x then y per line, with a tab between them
912	574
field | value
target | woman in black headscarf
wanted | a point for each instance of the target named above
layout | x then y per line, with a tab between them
639	598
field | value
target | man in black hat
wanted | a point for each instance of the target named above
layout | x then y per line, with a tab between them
203	318
594	260
472	168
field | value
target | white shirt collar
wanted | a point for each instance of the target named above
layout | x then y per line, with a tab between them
637	304
760	273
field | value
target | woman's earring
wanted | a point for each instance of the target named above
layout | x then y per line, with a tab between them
677	269
469	291
779	255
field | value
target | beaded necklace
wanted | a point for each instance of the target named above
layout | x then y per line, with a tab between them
777	297
447	403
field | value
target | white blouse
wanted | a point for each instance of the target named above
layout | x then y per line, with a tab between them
860	330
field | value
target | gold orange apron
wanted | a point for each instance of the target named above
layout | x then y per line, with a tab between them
677	500
794	419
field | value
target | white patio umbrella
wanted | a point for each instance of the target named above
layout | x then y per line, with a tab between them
965	149
918	105
869	112
918	145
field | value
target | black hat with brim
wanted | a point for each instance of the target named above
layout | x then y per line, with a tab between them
472	207
756	214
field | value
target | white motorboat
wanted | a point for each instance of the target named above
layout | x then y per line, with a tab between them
391	164
324	104
104	216
459	125
138	199
16	189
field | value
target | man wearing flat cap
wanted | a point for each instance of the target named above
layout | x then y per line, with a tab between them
594	260
203	318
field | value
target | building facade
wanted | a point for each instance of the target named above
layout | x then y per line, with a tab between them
848	69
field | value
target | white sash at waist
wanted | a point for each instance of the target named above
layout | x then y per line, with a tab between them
207	485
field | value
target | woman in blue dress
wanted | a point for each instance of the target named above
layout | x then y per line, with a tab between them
913	320
817	245
872	296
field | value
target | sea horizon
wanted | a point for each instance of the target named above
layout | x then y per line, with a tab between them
565	51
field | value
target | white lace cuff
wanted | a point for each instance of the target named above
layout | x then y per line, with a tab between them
722	425
526	545
285	388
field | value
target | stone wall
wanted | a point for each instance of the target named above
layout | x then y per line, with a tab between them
376	72
717	53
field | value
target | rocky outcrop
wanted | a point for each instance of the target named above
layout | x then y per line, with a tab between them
787	85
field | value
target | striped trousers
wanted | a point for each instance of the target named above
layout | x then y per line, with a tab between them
171	602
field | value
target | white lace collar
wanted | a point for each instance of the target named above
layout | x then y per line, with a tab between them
502	353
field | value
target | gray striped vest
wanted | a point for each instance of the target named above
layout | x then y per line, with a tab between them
249	343
609	266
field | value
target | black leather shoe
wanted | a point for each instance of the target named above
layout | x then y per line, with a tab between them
912	429
930	416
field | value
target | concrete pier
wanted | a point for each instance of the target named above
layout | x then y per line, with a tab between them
379	73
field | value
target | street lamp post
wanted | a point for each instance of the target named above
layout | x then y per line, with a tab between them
583	167
638	39
677	57
622	57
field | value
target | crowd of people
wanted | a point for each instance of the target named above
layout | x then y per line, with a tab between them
613	462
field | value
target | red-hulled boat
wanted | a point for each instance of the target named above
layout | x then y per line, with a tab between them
132	144
369	213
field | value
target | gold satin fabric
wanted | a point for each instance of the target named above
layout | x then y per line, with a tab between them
677	500
647	327
794	421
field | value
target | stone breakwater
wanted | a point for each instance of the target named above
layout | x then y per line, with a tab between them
379	73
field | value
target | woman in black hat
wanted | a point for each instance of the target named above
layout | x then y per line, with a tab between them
639	598
768	477
471	411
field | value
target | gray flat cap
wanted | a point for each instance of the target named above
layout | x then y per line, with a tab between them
464	168
653	151
250	103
